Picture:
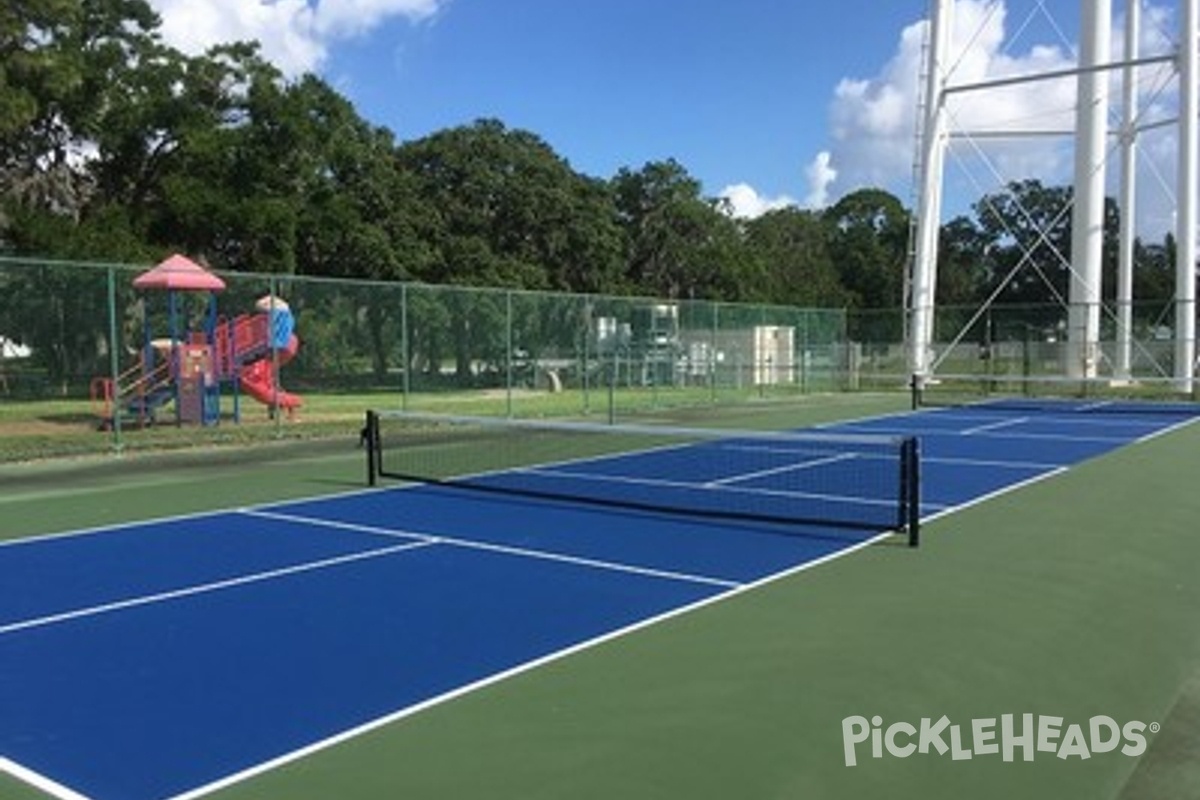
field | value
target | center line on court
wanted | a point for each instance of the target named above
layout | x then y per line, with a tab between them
993	426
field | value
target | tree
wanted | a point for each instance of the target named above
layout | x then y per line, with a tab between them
66	65
791	246
868	235
511	212
1028	230
679	244
962	263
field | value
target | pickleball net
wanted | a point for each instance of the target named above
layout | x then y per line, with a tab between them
798	480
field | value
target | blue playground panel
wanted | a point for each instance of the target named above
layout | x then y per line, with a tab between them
145	661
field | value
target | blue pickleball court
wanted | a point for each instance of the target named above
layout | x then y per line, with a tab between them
170	658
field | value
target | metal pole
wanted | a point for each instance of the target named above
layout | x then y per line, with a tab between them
612	384
1185	221
114	359
508	354
929	205
1128	192
712	351
586	365
404	347
1087	223
274	289
173	332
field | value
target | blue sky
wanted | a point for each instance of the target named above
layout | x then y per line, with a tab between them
737	93
765	102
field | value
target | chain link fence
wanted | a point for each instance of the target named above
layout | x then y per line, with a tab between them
78	343
1013	340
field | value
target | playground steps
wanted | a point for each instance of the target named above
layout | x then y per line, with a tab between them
238	341
136	394
149	403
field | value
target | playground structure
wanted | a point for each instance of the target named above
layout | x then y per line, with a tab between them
190	368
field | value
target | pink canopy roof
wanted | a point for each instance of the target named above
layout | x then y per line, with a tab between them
181	274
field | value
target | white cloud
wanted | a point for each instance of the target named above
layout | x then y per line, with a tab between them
746	203
873	120
821	175
295	34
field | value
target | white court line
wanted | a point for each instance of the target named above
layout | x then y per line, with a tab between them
746	476
589	476
1077	418
1036	437
523	552
63	793
948	510
39	781
1169	429
204	588
549	658
927	459
1054	472
990	464
993	426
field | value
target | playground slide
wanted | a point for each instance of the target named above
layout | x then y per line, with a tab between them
258	378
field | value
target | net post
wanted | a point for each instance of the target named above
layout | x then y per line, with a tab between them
370	441
910	469
914	388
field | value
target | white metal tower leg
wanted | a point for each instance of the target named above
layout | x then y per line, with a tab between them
1128	202
1087	224
929	204
1185	218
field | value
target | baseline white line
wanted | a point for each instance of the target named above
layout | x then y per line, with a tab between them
818	462
1169	429
948	510
993	426
498	677
39	781
204	588
149	522
523	552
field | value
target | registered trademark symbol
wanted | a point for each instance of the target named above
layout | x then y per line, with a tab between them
1155	727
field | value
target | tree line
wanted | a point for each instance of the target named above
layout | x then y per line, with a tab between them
115	146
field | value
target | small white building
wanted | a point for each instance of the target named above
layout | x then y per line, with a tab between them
10	349
763	354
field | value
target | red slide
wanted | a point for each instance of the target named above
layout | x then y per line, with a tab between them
258	378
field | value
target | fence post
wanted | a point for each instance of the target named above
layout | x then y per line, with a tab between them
405	355
585	367
612	385
712	351
804	324
114	359
508	354
273	288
